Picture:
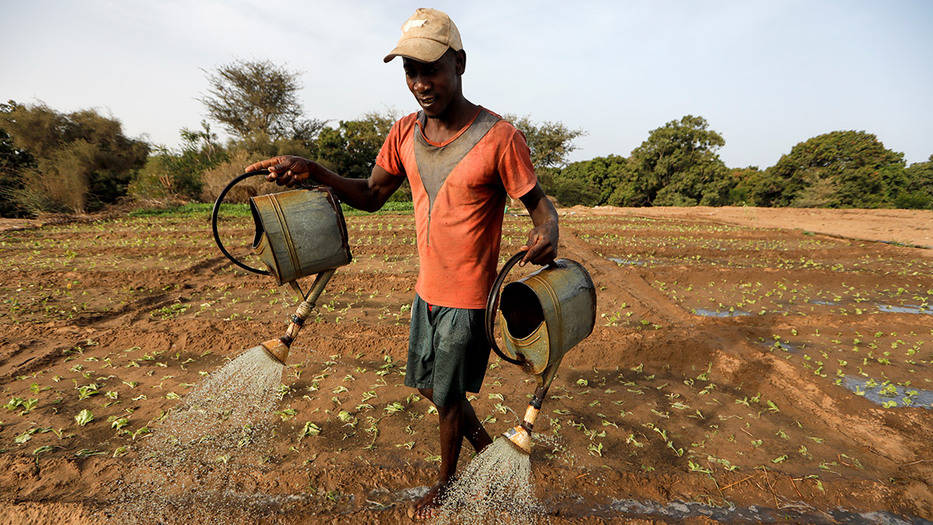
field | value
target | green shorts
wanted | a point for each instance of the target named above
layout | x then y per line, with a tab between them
447	351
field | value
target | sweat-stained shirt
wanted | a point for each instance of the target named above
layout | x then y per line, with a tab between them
459	189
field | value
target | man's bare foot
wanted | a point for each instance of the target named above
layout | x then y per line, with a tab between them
426	508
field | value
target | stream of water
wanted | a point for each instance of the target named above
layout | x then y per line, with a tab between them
189	469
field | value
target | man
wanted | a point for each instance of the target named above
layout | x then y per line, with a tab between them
461	161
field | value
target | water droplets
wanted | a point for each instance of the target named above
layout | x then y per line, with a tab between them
494	488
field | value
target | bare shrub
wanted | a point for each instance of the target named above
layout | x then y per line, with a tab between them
214	180
60	182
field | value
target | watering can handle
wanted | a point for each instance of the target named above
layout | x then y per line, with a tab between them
492	304
216	210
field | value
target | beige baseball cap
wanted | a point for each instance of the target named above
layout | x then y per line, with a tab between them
426	36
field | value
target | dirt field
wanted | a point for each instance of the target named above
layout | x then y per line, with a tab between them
738	371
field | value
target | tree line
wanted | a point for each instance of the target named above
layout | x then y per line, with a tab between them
678	165
81	161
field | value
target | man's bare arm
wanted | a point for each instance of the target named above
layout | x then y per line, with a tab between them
543	238
364	194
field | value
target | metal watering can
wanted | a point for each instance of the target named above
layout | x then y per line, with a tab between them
541	316
298	233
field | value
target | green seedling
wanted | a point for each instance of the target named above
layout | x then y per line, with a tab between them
87	391
287	413
25	436
595	449
395	407
84	417
28	405
310	429
43	449
347	418
369	395
695	467
86	453
14	403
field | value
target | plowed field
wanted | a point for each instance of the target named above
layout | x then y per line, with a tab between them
739	371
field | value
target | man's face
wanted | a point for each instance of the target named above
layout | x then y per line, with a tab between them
434	84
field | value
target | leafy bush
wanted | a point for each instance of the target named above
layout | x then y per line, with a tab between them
82	159
178	173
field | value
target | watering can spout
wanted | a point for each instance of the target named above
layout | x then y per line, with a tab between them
276	349
520	436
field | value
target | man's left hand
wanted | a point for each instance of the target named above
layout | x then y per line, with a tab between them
542	239
541	244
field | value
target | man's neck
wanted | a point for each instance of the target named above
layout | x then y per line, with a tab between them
457	115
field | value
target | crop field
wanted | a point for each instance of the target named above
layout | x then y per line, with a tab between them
737	372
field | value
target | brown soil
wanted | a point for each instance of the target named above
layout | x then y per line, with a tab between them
664	402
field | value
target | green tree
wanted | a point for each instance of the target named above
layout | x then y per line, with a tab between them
550	142
742	181
350	149
840	169
256	101
83	159
588	182
676	166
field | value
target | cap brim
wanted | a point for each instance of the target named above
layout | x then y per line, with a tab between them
420	49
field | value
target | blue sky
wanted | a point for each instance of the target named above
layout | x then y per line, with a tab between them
764	74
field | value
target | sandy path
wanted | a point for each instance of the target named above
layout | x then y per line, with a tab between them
910	227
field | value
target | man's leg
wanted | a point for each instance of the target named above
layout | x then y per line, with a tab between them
470	426
447	351
456	421
473	430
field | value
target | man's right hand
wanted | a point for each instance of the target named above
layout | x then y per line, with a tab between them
285	170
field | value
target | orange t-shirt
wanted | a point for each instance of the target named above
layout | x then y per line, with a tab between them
459	189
